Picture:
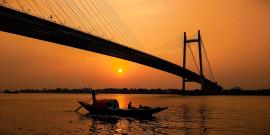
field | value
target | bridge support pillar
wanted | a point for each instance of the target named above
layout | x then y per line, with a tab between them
185	78
184	64
200	59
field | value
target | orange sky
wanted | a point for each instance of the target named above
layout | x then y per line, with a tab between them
236	35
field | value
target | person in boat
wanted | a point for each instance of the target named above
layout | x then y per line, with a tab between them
130	106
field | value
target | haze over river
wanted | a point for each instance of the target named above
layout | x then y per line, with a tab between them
52	114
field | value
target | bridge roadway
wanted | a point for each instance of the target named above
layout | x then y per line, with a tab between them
23	24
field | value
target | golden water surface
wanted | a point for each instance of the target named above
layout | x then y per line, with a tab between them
54	114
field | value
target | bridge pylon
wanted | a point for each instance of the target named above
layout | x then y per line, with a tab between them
186	42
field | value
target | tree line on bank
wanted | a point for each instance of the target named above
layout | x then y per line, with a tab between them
233	91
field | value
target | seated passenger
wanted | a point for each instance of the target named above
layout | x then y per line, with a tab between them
130	105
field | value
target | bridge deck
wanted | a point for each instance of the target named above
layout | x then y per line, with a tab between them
19	23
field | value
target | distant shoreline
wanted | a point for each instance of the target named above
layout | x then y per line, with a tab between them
261	92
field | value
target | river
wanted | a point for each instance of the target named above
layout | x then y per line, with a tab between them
53	114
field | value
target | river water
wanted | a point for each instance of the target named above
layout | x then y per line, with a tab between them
53	114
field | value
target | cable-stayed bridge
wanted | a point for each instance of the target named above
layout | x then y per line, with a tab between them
62	25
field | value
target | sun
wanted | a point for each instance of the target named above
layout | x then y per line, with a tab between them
119	70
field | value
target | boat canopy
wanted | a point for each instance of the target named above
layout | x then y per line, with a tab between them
106	103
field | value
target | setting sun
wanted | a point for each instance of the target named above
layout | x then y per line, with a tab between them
119	70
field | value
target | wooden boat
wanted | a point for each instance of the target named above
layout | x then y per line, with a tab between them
111	107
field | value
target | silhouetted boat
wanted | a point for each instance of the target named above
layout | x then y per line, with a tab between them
111	107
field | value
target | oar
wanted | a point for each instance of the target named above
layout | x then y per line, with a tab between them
78	109
81	106
93	98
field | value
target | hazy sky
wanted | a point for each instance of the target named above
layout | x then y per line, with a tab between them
236	35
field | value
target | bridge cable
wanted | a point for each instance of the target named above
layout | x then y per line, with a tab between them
96	13
69	7
69	18
88	21
96	28
172	51
94	19
32	8
52	11
59	12
169	52
105	22
20	5
180	50
172	47
108	21
124	25
102	24
116	22
87	29
98	7
207	60
52	6
193	57
38	8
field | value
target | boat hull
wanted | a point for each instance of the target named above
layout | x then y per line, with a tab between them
121	112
